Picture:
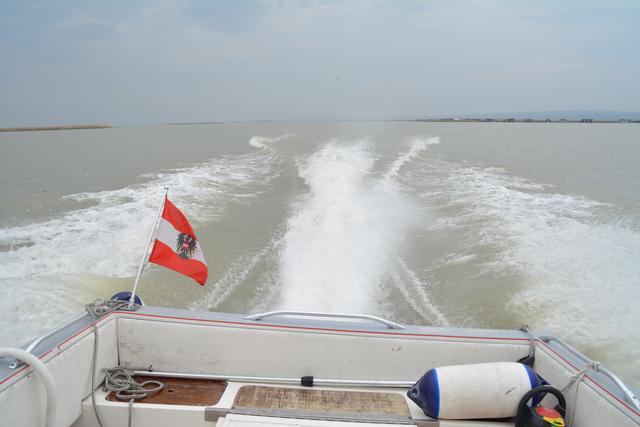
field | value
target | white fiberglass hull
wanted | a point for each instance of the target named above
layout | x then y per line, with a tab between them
277	351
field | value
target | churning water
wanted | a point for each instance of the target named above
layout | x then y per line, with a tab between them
485	225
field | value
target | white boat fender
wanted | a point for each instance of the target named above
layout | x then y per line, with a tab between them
45	377
482	390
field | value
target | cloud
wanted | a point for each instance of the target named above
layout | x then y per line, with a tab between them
158	61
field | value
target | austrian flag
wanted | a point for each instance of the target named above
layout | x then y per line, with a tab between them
176	246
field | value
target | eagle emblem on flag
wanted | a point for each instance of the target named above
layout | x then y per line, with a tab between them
176	245
186	245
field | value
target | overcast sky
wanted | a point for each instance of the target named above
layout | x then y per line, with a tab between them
137	62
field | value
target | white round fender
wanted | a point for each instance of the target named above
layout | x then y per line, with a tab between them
481	390
45	377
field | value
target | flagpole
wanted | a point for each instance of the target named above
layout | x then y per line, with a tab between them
143	262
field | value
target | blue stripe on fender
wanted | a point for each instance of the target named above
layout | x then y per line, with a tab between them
432	388
534	380
426	393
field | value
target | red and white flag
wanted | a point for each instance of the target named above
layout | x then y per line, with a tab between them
176	246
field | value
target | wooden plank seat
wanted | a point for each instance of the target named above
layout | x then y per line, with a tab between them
313	403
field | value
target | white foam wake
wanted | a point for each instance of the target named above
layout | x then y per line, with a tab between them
416	293
416	146
107	238
578	262
341	235
49	269
237	274
266	141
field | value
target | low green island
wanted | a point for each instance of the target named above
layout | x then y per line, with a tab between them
62	127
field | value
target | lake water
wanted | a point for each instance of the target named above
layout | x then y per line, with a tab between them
464	224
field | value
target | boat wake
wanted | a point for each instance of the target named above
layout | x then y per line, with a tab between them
266	141
340	248
416	293
552	259
417	145
240	272
118	222
74	253
345	234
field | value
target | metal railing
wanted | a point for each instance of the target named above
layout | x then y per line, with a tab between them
280	380
629	395
388	323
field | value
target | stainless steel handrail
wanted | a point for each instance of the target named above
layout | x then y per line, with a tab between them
388	323
35	343
628	394
280	380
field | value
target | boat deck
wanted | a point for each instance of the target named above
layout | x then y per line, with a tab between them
360	371
199	402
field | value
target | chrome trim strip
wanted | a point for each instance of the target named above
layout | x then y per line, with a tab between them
388	323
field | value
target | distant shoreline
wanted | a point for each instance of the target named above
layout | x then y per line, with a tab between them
193	123
64	127
490	120
444	120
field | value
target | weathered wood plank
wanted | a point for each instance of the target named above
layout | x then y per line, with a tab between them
321	401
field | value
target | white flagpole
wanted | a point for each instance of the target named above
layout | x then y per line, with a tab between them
143	262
